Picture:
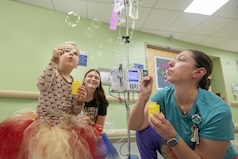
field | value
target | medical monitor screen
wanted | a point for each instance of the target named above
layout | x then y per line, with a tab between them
133	76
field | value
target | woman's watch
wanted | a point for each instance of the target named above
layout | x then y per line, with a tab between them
174	141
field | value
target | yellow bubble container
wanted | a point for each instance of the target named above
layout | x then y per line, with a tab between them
153	107
75	86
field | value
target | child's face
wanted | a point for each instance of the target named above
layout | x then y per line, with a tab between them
71	49
70	57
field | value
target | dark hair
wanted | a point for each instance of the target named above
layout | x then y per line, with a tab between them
203	60
99	92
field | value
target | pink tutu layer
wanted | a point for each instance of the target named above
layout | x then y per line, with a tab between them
24	136
11	134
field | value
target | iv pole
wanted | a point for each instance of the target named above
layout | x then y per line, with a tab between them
128	93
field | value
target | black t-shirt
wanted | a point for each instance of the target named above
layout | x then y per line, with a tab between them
92	109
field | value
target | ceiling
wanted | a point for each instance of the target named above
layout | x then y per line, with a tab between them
163	17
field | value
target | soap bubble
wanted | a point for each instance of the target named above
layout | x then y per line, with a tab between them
110	126
92	54
128	65
92	57
91	51
119	41
123	20
99	53
89	32
109	40
117	53
150	65
100	46
72	19
95	23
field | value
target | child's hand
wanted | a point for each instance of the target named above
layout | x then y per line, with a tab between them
98	128
82	94
57	52
85	119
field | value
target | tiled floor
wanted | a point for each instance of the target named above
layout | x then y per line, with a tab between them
123	149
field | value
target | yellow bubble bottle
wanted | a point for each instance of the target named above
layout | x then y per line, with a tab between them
75	86
153	107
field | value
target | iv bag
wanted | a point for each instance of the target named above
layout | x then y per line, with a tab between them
133	9
118	5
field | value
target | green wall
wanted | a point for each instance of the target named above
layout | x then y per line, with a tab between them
28	35
217	79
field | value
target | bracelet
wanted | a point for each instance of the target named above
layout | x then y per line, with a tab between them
80	103
79	106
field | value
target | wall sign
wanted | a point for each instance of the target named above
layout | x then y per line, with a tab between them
83	58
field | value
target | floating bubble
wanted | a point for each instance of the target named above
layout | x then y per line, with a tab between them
100	46
128	65
89	32
109	40
123	20
119	41
150	65
92	58
99	53
110	126
92	51
132	32
95	23
117	53
118	58
72	19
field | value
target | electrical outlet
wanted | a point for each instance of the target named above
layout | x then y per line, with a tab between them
105	77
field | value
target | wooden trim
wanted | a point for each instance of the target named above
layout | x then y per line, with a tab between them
18	94
119	133
35	95
234	103
168	49
236	127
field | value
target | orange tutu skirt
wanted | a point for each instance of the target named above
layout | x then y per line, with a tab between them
24	136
